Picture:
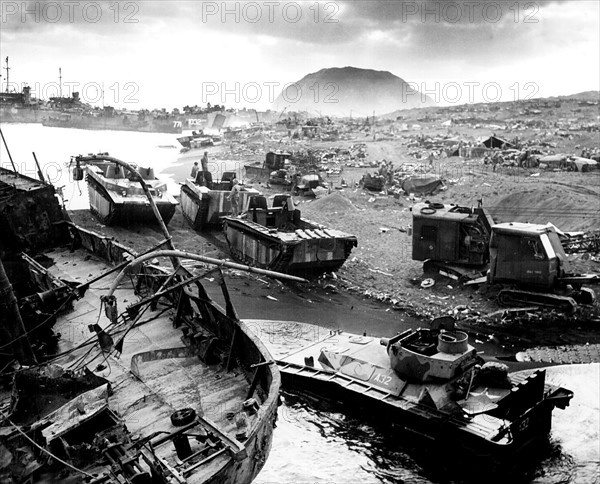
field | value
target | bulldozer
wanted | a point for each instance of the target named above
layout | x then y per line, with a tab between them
529	260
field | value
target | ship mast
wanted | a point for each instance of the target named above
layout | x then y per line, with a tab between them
7	69
60	82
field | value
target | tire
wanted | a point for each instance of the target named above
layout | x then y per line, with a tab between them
183	417
428	210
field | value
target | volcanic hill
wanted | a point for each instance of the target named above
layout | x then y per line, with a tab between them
345	91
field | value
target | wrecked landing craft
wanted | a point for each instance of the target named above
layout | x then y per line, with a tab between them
187	394
115	193
204	201
277	238
201	411
431	383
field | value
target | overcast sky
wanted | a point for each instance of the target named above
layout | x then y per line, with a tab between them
168	54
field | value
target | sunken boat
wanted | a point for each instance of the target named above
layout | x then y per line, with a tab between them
116	194
147	378
278	238
204	200
432	384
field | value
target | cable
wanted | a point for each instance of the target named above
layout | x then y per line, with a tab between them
41	324
79	362
82	357
45	450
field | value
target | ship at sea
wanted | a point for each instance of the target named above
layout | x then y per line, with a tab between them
115	368
71	112
110	119
20	107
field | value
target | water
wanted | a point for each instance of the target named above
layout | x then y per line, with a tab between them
55	146
310	444
313	445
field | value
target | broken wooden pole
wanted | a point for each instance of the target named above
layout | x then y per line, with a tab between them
11	323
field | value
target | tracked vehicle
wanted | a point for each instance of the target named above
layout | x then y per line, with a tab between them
204	200
464	243
115	193
274	160
532	258
432	384
277	238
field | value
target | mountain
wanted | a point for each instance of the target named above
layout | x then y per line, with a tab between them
583	96
339	90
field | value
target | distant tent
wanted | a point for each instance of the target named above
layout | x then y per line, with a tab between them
495	142
422	184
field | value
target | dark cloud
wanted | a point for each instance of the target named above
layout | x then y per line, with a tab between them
99	17
302	34
323	23
396	12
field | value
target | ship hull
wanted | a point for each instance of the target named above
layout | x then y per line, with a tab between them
21	115
115	124
144	403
